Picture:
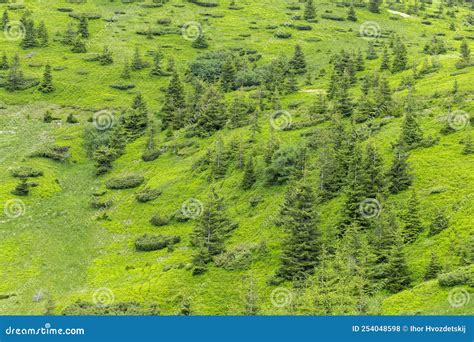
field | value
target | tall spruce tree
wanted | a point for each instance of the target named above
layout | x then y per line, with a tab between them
228	76
209	234
399	175
385	65
29	39
465	58
374	6
440	222
137	61
411	218
249	175
157	69
43	37
5	20
15	77
135	121
302	246
125	71
376	184
212	114
309	11
398	275
351	13
433	268
411	135
175	103
298	63
4	65
83	29
46	85
200	42
400	59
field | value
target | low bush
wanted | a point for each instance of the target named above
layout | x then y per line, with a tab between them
149	242
58	153
158	220
125	182
25	172
122	86
460	276
147	195
238	258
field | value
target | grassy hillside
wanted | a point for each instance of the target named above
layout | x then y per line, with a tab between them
55	249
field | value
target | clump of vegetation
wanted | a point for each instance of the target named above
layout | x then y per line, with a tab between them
158	220
147	195
150	242
125	182
25	172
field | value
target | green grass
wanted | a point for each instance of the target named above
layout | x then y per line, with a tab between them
60	248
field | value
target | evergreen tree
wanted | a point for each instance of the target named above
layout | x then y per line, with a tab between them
4	65
157	70
48	117
29	39
351	14
468	146
354	192
83	29
440	223
125	71
79	46
46	85
298	63
343	104
228	76
373	166
301	248
212	114
237	111
359	61
170	65
371	54
43	37
411	135
200	42
309	11
69	37
465	58
174	104
399	175
15	77
137	62
135	121
383	98
400	58
291	85
249	175
433	268
103	157
398	276
374	6
411	218
106	57
209	234
5	20
319	108
385	65
220	161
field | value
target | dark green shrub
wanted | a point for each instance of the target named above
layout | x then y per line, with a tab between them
26	171
96	203
59	153
125	182
158	220
460	276
81	308
122	86
149	242
147	195
71	119
282	34
150	155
